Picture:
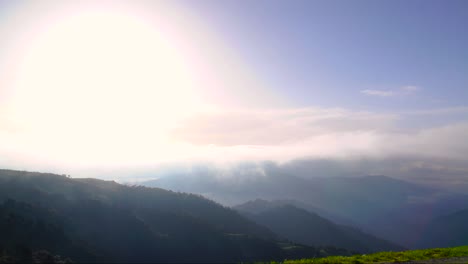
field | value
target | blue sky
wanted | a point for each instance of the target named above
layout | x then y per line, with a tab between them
324	52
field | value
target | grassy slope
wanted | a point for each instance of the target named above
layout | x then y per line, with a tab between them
386	257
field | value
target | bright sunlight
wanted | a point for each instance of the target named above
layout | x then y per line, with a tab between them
102	79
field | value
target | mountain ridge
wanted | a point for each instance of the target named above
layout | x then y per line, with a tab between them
302	226
118	223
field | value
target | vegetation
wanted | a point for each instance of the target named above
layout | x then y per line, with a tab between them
26	255
89	220
389	257
48	218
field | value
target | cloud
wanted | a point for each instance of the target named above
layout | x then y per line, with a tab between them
341	136
404	90
382	93
318	132
440	111
276	127
443	142
409	89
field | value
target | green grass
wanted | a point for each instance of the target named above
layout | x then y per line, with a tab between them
423	254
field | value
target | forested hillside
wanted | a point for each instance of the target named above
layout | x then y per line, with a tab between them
91	220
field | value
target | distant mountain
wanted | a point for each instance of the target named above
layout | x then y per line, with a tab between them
91	220
237	185
389	208
355	198
259	205
446	231
301	226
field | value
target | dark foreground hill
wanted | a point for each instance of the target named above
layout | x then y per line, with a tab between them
308	228
91	220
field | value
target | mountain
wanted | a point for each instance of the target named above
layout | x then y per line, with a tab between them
446	231
90	220
308	228
236	185
358	199
25	227
389	208
259	205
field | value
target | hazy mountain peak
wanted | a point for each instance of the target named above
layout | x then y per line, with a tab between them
302	226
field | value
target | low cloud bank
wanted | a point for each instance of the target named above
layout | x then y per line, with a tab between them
329	141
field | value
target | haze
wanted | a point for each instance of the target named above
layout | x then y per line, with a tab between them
90	86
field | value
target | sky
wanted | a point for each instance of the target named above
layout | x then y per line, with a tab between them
322	52
130	84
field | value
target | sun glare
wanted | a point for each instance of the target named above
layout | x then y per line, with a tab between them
97	78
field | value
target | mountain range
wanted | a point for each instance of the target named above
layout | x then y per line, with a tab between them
91	220
57	218
301	226
393	209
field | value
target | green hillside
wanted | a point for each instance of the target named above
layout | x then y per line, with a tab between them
394	257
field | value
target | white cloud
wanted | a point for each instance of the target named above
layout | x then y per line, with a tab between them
410	89
440	111
404	90
315	132
443	142
221	135
382	93
273	127
236	135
